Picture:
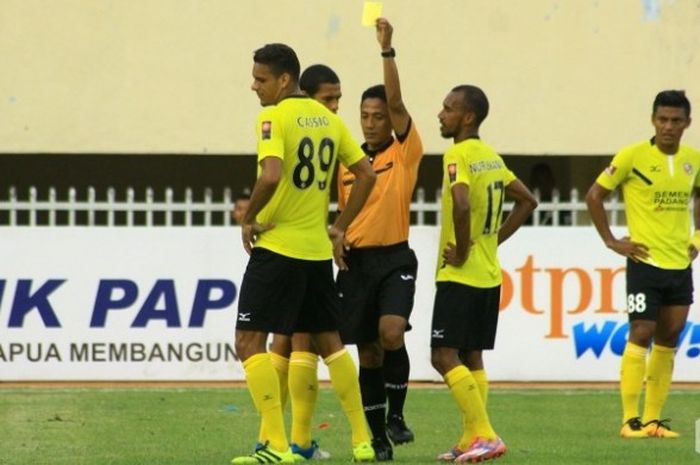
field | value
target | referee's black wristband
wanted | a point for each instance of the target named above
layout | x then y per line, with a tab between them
391	53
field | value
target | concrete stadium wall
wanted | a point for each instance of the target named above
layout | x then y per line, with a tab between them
173	76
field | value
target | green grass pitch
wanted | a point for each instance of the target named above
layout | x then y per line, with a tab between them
208	426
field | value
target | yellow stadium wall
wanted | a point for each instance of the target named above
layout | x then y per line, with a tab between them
574	77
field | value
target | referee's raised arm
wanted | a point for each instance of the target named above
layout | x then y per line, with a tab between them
398	114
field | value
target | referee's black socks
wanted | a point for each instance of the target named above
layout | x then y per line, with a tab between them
374	400
397	367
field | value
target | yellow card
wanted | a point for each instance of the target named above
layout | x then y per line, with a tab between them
370	12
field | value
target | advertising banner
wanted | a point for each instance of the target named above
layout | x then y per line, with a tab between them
96	303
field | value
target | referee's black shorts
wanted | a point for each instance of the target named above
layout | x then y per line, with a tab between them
284	295
379	281
649	288
465	317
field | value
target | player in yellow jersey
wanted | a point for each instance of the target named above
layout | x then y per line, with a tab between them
323	85
240	205
465	315
379	286
659	180
288	283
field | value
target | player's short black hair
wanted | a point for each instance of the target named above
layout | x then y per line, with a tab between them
280	58
672	98
474	99
315	75
377	91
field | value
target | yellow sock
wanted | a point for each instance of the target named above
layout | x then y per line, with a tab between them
343	376
264	389
281	365
466	393
303	390
631	379
483	382
483	385
659	372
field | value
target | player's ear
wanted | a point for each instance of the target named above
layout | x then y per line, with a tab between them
469	118
285	80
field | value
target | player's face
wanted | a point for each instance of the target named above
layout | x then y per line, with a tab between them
329	95
669	122
451	116
375	122
268	86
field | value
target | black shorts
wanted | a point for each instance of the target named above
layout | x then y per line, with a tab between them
465	317
379	281
649	288
285	295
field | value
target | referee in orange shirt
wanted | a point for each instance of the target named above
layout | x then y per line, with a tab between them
379	286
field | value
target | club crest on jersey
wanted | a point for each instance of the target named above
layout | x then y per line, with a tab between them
610	170
452	171
266	131
688	168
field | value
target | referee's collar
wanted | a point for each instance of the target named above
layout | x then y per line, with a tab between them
372	153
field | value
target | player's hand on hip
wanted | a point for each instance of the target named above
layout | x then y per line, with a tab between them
384	33
450	256
692	252
337	237
250	233
635	251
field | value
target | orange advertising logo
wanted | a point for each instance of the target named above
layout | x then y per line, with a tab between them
523	278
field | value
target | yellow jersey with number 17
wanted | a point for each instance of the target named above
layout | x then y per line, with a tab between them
657	190
476	164
309	139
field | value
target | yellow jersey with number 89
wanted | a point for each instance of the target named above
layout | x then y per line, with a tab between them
309	139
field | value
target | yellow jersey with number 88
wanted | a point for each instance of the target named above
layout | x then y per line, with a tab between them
657	190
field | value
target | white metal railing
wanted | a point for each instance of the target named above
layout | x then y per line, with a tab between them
210	211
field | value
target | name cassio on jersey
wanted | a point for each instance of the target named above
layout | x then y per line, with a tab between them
312	121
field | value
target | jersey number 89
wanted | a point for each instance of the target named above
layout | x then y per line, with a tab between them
305	172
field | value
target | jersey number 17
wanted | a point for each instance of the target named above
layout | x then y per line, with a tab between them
496	194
